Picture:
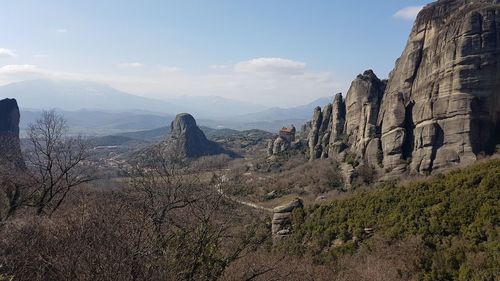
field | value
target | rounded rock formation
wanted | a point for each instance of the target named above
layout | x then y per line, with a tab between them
190	141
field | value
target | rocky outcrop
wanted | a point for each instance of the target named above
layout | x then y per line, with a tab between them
337	144
283	142
279	145
441	104
315	148
338	118
10	148
362	107
189	141
319	132
282	218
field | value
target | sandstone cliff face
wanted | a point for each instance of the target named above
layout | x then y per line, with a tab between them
10	148
320	131
315	148
362	107
189	141
441	104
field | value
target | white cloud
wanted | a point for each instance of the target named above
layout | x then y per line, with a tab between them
62	30
271	81
6	53
131	64
279	82
19	72
270	65
408	13
16	69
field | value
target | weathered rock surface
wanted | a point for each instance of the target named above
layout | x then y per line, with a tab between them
338	118
362	107
284	141
279	145
320	131
10	148
441	104
189	141
282	216
315	148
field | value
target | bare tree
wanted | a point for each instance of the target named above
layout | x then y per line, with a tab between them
12	185
12	170
56	162
158	176
197	229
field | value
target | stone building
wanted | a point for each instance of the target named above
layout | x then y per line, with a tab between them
287	134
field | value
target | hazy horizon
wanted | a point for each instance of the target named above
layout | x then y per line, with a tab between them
276	53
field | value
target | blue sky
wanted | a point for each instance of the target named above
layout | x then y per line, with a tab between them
277	52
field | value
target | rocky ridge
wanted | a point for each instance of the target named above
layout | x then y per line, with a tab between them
440	106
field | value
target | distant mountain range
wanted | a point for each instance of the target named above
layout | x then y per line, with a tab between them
276	113
76	95
99	109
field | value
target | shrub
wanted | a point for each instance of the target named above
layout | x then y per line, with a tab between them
456	214
350	159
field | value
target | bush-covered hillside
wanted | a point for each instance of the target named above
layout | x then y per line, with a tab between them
456	216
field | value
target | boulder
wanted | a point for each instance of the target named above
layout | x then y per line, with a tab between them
289	207
282	216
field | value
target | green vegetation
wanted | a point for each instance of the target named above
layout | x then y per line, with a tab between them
455	215
350	159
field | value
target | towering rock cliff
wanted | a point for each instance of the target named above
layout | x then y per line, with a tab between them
315	148
336	145
441	104
319	133
10	148
362	107
190	141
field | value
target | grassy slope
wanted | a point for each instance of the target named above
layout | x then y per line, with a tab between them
457	216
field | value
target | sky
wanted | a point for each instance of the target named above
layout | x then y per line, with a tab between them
270	52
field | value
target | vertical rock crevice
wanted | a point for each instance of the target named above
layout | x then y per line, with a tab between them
438	143
409	127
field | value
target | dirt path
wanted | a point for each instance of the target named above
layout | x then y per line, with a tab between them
248	204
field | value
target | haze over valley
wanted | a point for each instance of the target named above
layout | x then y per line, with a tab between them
250	140
93	106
